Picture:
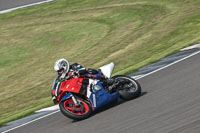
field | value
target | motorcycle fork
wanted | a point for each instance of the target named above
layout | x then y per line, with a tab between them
75	101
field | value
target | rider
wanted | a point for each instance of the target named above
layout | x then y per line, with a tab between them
65	70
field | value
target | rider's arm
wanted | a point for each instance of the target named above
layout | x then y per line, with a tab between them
55	89
78	68
90	73
95	76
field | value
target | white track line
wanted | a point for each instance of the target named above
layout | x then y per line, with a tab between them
137	78
12	9
169	65
30	121
191	47
52	108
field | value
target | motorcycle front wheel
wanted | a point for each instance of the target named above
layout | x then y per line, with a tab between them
80	112
128	87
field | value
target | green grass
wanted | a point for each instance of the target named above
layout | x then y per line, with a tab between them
132	33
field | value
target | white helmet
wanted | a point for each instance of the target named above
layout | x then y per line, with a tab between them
61	65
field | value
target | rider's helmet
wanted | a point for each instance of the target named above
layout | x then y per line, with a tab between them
61	66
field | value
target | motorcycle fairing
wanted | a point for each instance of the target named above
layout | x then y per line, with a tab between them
99	98
75	85
67	96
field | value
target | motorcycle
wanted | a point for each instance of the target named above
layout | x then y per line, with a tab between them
78	104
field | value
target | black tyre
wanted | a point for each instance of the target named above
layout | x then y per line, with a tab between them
129	88
81	112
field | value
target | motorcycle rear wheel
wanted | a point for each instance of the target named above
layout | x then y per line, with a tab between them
130	89
80	112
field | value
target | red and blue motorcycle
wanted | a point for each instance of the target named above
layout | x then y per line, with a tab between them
78	102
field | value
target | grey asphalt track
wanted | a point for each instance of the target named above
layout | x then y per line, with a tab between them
7	4
170	103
